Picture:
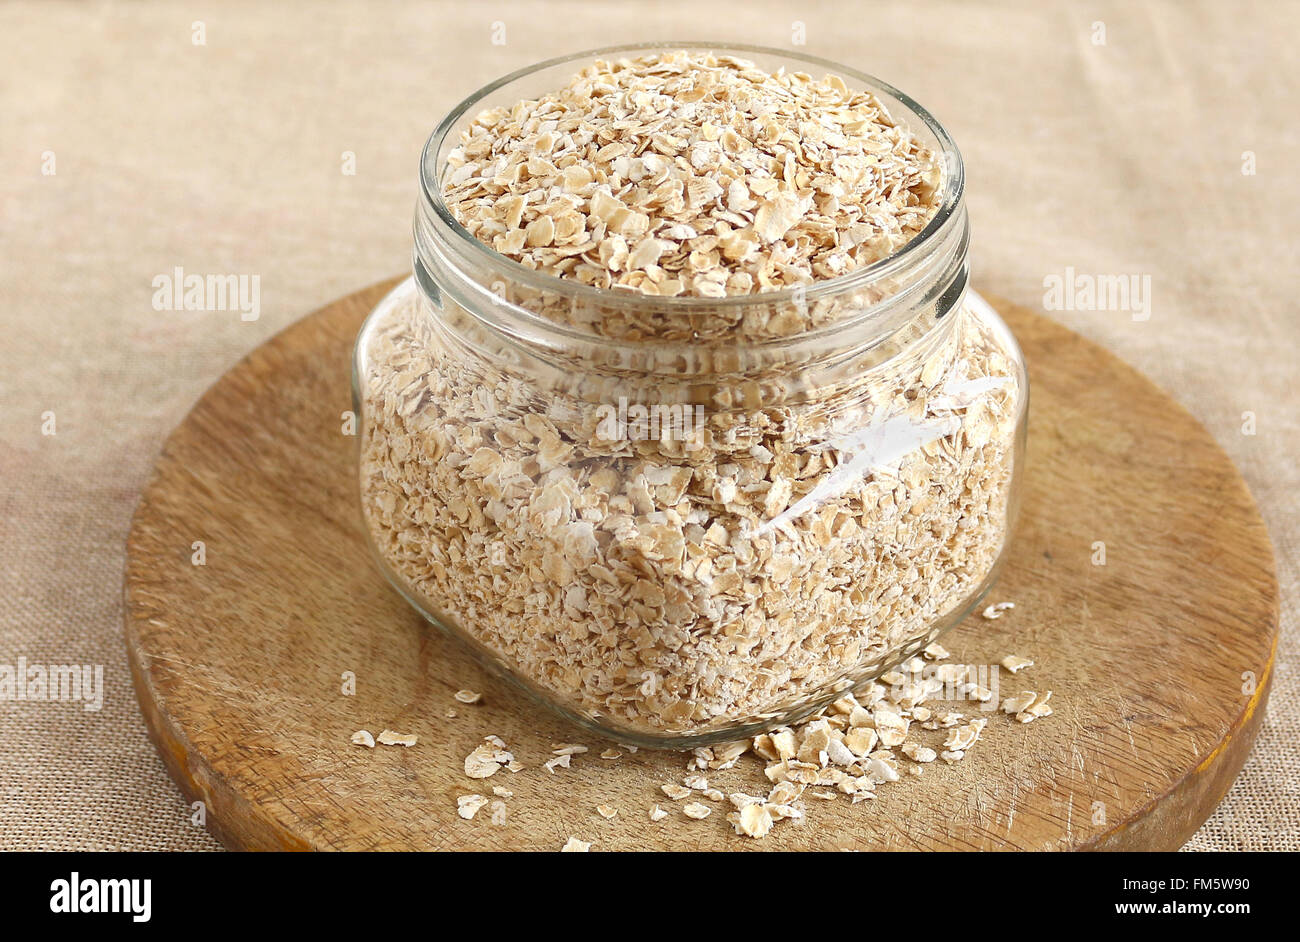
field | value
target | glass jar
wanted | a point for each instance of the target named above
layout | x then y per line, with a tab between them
683	520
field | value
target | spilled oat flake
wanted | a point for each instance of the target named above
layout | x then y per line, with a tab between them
860	744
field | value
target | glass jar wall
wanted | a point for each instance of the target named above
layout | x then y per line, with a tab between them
681	520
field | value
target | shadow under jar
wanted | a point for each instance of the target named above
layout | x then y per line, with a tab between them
684	520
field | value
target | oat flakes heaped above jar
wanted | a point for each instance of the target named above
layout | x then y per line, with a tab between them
686	418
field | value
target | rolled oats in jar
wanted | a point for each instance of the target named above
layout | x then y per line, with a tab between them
687	419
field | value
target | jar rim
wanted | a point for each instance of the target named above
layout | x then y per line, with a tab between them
952	189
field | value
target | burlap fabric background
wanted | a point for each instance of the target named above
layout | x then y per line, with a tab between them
1120	157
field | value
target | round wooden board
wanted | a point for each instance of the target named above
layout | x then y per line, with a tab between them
239	663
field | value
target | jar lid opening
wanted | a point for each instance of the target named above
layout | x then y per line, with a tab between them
438	216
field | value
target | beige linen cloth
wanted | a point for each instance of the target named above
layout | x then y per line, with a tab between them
1110	138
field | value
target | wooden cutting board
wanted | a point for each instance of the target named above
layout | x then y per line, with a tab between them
1160	659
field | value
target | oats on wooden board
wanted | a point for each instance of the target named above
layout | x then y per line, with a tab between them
1036	707
752	820
390	738
1015	663
1019	702
488	758
833	755
568	749
362	737
804	762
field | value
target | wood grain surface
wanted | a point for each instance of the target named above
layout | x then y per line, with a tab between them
1160	659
